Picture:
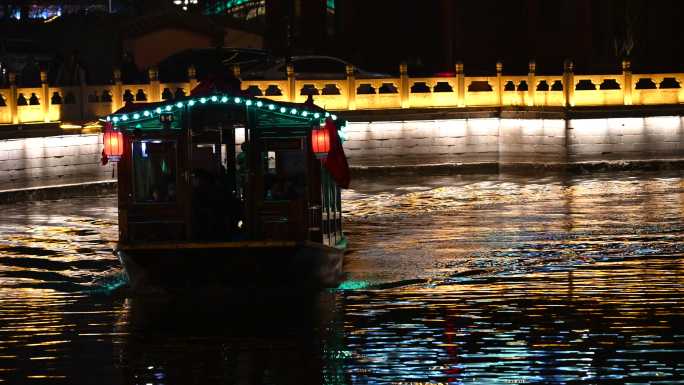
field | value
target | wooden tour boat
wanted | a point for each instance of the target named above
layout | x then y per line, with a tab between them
219	188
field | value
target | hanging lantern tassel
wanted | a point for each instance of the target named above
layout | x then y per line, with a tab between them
320	142
113	145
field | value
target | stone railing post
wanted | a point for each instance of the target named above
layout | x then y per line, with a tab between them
291	83
155	88
460	85
569	83
404	88
627	82
531	83
351	87
192	78
45	97
499	83
117	93
14	114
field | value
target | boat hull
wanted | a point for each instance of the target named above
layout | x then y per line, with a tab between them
255	265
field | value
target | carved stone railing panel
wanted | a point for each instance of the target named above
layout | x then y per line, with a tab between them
29	112
383	98
481	91
642	92
432	92
328	100
273	89
5	112
72	108
56	103
170	91
98	102
512	94
588	92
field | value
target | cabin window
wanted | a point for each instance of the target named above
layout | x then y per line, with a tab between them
154	171
271	166
207	157
284	174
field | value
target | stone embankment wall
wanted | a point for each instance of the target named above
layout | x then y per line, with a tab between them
45	161
514	141
649	138
494	141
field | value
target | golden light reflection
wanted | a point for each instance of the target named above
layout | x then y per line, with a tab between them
459	276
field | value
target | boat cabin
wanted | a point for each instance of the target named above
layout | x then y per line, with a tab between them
222	167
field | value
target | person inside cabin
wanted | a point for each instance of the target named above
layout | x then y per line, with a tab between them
208	207
278	188
164	187
242	170
284	187
232	209
157	195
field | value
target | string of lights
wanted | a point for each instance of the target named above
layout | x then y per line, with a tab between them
270	106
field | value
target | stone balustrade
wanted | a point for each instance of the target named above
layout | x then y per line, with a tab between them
49	103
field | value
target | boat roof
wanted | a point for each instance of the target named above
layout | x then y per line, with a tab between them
218	93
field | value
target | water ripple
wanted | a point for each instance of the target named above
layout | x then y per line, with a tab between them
491	280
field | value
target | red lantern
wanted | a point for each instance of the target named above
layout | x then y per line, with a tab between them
320	142
113	144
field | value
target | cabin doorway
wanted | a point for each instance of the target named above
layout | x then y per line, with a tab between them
280	189
215	208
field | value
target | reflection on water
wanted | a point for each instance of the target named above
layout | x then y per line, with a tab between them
494	280
191	340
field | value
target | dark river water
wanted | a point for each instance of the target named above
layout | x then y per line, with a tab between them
478	279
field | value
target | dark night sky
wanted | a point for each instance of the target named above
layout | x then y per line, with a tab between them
595	34
432	35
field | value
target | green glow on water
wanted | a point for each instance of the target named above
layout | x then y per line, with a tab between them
353	285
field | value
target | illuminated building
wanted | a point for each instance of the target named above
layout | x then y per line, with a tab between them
291	26
47	9
247	9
